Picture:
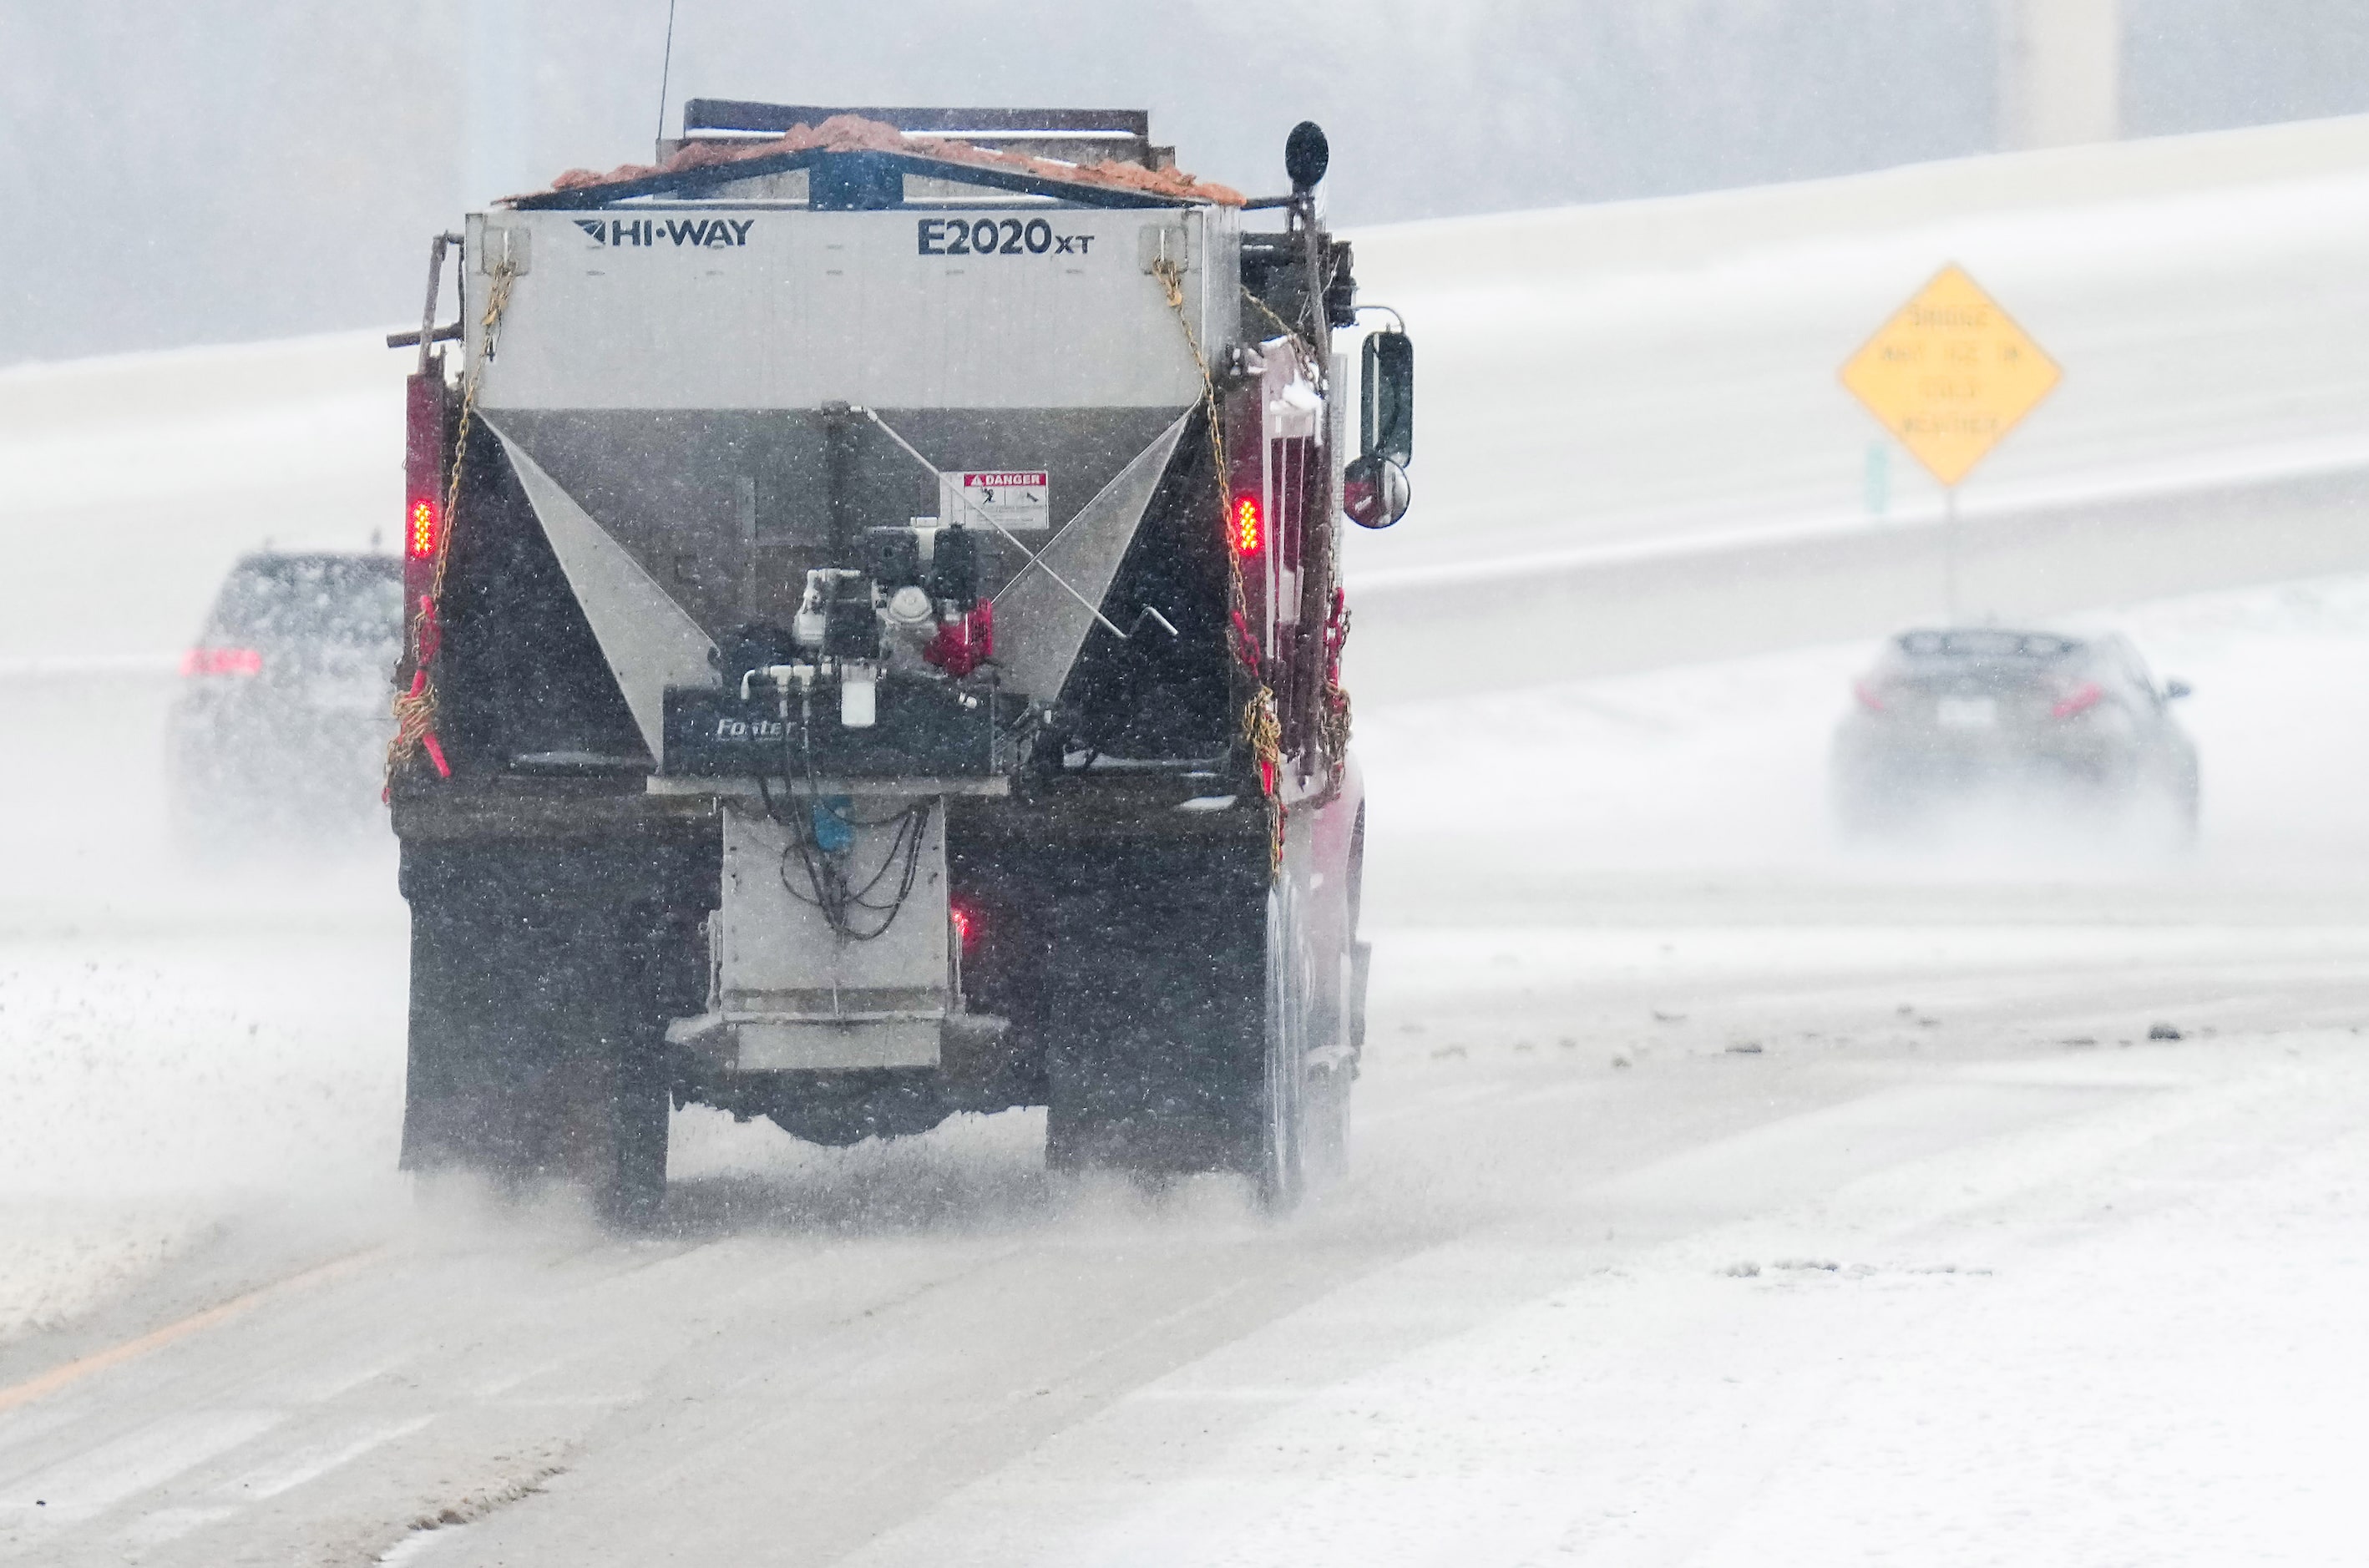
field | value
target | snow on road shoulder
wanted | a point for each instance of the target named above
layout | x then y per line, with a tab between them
153	1089
2116	1328
60	1260
1470	965
2281	719
2167	1368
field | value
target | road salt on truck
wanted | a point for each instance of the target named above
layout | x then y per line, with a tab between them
874	651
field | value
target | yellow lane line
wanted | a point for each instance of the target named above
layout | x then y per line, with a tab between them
57	1377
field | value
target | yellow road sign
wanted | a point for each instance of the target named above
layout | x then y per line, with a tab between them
1950	375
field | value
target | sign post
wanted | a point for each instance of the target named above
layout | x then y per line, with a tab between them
1950	376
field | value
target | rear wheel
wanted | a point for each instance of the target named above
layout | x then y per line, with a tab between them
538	1047
1336	1039
1279	1172
1337	1025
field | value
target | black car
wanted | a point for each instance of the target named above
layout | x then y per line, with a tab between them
280	727
2022	720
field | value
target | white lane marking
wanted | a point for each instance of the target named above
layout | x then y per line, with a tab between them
312	1463
91	1483
320	1388
170	1524
503	1383
1243	1394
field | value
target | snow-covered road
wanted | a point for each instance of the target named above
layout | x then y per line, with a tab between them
1717	1200
1667	1244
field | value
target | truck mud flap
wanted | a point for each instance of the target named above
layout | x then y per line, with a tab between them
1154	1007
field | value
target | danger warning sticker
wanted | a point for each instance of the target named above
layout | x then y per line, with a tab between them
1012	499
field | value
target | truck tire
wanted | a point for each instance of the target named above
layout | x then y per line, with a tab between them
1331	1065
1336	1023
538	1049
1278	1166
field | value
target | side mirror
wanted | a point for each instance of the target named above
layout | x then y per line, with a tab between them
1389	397
1374	491
2175	689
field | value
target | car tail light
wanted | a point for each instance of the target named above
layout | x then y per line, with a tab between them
221	661
1868	697
1245	526
2078	700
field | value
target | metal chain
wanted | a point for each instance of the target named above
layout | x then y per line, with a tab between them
1171	274
1333	724
414	709
1307	350
1262	729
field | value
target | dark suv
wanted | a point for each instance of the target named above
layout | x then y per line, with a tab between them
2020	718
279	732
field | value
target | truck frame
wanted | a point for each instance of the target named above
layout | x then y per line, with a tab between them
873	653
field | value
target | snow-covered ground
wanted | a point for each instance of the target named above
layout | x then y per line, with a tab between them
160	1084
1633	374
1721	1198
2121	1332
135	481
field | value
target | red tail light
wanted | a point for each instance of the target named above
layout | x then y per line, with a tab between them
221	661
423	470
1245	527
1869	698
2080	698
419	529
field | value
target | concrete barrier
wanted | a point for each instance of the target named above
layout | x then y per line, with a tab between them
1519	622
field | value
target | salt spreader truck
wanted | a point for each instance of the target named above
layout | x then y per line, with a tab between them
874	637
